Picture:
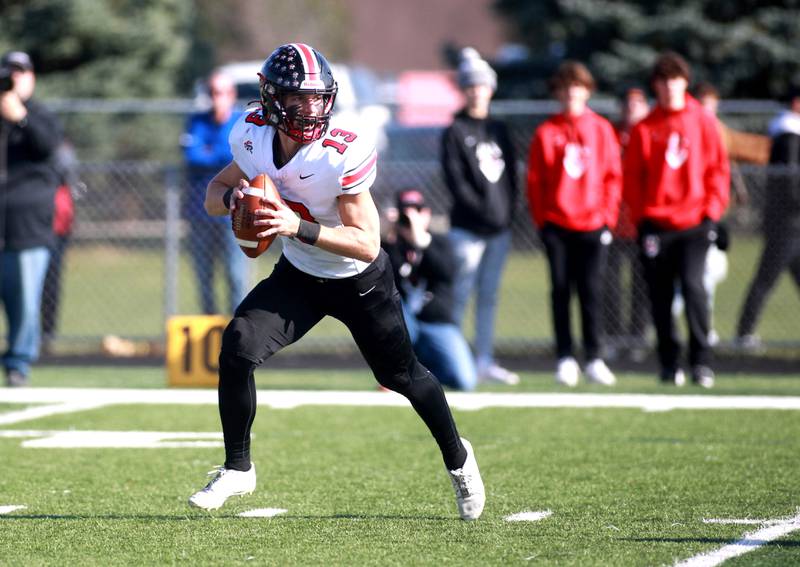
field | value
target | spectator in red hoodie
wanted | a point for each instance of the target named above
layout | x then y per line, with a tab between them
574	185
676	185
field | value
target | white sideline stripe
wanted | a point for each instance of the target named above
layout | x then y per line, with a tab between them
287	399
46	411
9	509
263	513
749	542
529	516
72	439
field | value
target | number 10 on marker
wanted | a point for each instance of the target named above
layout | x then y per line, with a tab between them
193	344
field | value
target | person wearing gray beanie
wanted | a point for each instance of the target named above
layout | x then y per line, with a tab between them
473	70
479	168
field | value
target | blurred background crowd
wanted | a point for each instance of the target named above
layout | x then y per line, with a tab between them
130	83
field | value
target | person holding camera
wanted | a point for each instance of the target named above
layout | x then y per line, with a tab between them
29	137
424	268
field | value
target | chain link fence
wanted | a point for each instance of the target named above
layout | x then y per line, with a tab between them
126	267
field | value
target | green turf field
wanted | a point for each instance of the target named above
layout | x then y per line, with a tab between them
365	485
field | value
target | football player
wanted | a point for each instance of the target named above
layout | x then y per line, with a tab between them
332	264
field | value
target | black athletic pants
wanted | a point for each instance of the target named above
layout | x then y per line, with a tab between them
285	306
626	307
577	259
667	256
781	250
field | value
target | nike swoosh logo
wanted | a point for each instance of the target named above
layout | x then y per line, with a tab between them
306	176
366	292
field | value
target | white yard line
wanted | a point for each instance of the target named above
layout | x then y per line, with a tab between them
287	399
749	542
28	414
9	509
72	439
742	521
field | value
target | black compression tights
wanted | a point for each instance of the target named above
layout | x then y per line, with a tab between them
237	409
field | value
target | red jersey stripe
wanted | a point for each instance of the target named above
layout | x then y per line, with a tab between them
361	173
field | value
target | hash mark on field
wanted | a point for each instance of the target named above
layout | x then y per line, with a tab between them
9	509
529	516
263	513
749	542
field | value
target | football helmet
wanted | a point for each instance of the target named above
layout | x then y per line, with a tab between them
297	68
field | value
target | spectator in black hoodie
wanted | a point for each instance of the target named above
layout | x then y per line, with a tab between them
479	168
424	267
29	136
781	222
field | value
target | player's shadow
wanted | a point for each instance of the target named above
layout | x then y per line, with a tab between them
366	517
78	517
744	542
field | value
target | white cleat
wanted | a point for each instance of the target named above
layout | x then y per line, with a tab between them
226	483
468	485
496	373
568	372
598	373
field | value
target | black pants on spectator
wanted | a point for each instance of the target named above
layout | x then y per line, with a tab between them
781	250
51	293
626	309
577	260
285	306
667	256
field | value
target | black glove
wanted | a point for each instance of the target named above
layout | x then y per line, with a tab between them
723	236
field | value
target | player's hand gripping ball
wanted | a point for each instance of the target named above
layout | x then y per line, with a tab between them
243	216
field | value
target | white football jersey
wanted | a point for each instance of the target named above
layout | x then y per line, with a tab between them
339	163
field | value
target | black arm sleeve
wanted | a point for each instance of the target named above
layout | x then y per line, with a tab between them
40	132
510	157
438	262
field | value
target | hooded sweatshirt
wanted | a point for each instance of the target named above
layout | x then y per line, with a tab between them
574	173
479	170
782	205
676	170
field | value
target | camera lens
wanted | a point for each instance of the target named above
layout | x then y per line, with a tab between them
6	83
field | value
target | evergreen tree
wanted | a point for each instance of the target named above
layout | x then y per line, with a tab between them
748	49
86	48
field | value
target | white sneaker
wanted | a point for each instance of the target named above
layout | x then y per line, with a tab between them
673	377
494	373
226	483
467	482
750	343
598	373
568	372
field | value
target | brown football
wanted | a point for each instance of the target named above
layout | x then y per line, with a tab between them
243	217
